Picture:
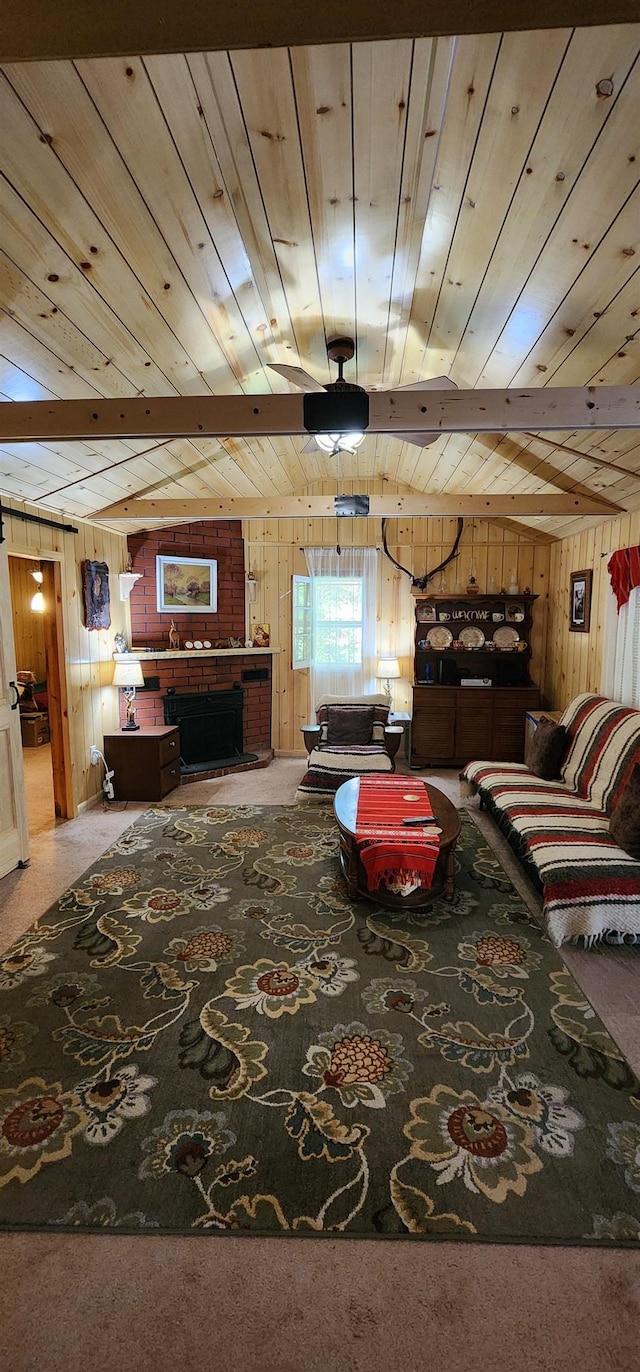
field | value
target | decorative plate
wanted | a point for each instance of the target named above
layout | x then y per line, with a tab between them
424	613
206	643
197	643
188	643
440	637
506	637
472	637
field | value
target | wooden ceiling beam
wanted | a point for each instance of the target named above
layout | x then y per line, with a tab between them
380	507
37	30
250	416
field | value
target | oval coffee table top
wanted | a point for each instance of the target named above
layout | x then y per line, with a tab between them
345	807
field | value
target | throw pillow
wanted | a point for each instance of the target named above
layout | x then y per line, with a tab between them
624	825
547	748
349	724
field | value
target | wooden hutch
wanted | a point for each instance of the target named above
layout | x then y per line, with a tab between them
472	689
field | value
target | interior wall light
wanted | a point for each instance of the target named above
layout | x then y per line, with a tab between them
37	601
388	670
129	675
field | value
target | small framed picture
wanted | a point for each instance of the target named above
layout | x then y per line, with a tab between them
580	602
187	584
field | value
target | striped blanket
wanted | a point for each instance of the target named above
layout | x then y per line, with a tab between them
590	886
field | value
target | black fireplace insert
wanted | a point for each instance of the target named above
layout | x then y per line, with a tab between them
211	728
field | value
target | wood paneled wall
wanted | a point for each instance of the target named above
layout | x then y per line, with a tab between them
574	660
274	551
93	704
28	628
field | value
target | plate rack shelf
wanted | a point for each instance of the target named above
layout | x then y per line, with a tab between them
446	627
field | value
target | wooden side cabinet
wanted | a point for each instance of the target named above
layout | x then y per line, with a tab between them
452	725
145	762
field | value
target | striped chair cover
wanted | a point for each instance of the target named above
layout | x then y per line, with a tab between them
331	764
590	886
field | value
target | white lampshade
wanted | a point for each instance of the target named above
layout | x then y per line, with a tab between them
388	667
128	674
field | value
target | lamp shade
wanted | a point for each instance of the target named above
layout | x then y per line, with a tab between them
388	667
128	674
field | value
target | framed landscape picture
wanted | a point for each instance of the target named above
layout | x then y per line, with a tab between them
580	602
188	585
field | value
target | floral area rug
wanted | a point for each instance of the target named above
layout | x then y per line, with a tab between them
205	1034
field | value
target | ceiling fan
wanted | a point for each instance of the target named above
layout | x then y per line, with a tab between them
341	350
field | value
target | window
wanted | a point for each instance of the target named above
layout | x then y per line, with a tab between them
301	622
327	621
334	620
337	621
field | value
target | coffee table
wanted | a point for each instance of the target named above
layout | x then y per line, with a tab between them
345	807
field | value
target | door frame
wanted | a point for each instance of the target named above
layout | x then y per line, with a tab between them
57	686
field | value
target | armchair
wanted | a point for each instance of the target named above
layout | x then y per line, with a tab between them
351	736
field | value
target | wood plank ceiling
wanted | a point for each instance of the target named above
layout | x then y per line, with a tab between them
463	206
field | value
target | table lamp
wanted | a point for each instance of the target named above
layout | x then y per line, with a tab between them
129	675
388	670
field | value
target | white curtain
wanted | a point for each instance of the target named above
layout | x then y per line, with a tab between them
343	659
621	650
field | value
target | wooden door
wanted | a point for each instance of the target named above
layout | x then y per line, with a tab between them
14	831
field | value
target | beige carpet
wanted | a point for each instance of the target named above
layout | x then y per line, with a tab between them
346	1306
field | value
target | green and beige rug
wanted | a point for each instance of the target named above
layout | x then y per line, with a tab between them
205	1035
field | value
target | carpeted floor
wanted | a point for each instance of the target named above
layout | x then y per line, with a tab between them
203	1034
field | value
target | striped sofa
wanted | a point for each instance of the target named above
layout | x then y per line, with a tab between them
560	829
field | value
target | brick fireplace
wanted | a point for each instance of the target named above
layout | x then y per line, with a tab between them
196	670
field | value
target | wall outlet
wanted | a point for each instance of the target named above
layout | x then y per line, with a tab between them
95	755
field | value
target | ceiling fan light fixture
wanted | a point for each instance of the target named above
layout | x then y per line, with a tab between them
334	443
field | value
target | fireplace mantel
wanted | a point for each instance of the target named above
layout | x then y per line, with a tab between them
164	656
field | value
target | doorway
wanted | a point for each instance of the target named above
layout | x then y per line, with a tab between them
36	600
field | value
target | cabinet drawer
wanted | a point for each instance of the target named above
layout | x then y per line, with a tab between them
169	777
169	748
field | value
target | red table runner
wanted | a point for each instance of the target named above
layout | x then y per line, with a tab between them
401	856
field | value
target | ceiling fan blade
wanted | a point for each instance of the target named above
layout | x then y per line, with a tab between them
432	383
297	375
420	440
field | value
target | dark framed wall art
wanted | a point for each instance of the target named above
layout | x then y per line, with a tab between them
95	590
580	602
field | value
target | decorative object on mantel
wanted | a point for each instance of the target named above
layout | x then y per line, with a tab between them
252	588
174	637
120	643
129	674
187	584
473	589
95	588
513	588
261	633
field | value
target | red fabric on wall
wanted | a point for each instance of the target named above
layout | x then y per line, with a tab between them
624	572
